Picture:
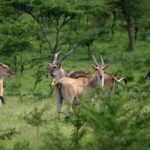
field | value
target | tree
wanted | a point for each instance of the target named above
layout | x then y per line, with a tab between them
87	40
131	12
51	16
15	34
90	25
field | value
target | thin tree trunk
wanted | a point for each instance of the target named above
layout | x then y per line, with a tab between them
130	29
135	29
40	44
135	33
21	63
87	20
42	29
15	63
131	37
46	36
57	37
113	23
40	50
89	52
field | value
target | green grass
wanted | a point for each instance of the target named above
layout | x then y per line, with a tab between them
12	116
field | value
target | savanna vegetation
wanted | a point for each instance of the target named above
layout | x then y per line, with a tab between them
32	31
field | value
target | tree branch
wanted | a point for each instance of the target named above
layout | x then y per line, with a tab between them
66	20
42	29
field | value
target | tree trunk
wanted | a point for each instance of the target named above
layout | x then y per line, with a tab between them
40	50
89	51
135	33
21	63
130	29
15	63
131	42
113	23
42	29
135	29
57	38
46	36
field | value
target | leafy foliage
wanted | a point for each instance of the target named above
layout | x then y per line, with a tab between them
8	133
23	145
35	117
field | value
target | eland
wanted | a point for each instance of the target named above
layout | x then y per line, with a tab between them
4	71
108	80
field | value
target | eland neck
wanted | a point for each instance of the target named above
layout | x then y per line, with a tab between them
95	80
61	73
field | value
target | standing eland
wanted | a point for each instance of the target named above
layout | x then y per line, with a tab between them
56	70
108	80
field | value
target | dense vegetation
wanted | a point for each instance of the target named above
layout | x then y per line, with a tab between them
31	31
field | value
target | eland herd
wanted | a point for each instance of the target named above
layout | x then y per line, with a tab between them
70	84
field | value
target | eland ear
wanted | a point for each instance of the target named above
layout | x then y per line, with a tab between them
105	67
94	67
59	65
50	65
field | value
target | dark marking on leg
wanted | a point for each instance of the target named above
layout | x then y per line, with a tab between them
2	99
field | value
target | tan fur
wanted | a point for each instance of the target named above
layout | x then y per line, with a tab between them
109	79
1	87
69	89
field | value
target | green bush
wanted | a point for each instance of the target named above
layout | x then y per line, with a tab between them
22	145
